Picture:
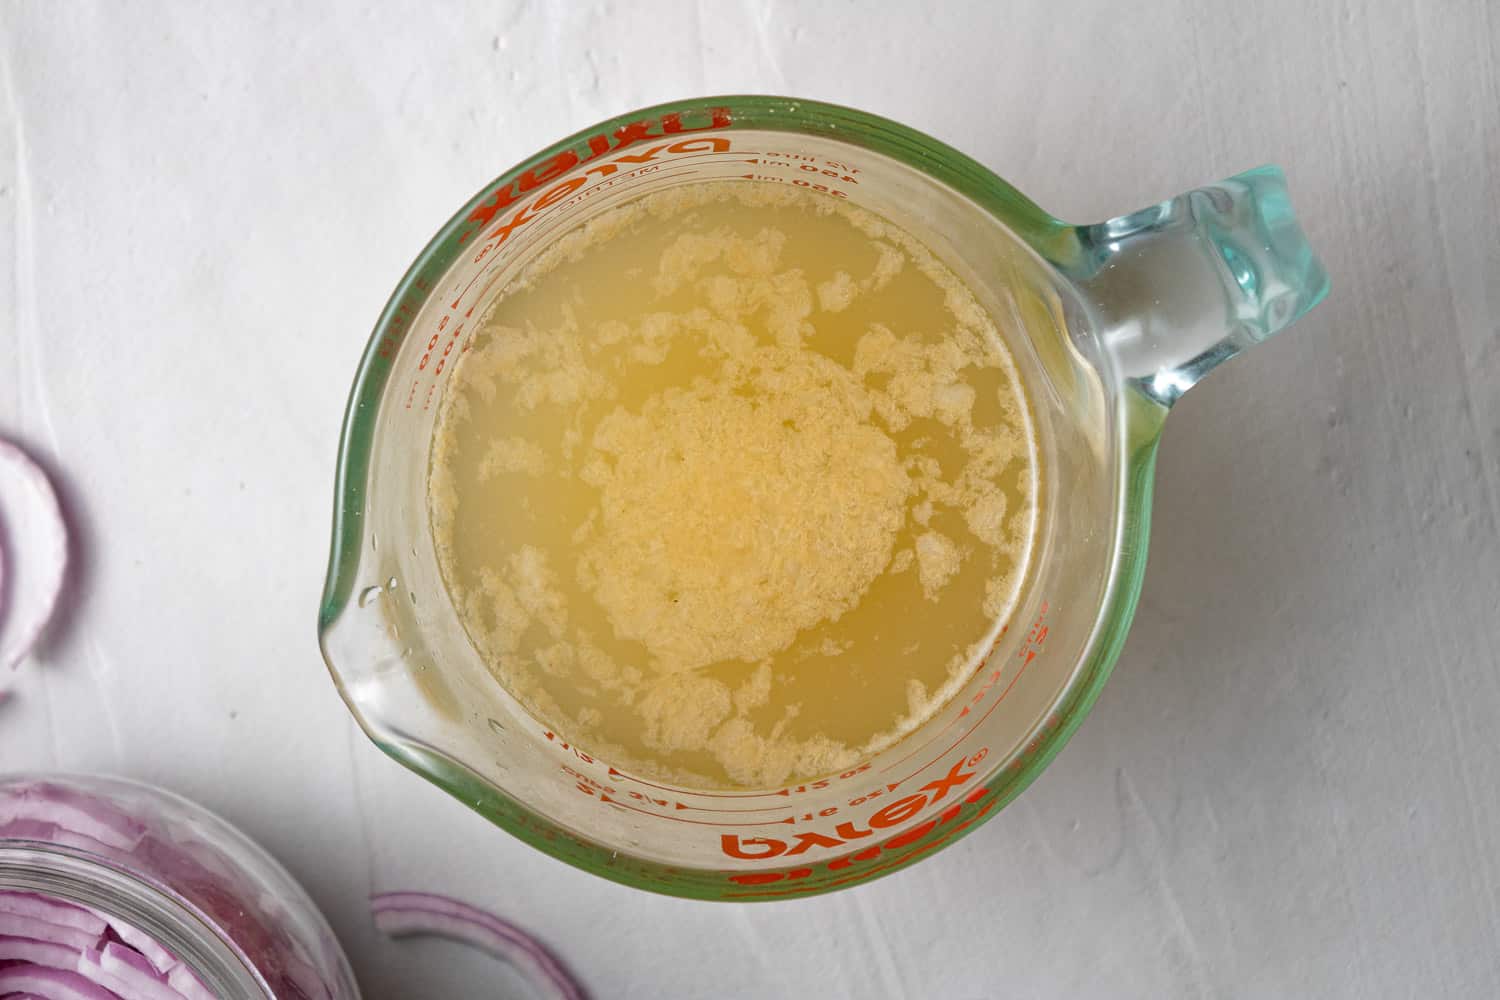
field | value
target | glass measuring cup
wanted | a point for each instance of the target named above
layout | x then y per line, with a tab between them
1108	324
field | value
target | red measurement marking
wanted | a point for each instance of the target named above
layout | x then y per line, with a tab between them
706	809
1030	655
1027	653
951	722
616	773
495	273
603	797
684	157
711	795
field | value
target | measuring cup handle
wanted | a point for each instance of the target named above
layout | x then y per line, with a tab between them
1185	285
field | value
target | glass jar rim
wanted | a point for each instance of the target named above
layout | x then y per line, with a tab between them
83	879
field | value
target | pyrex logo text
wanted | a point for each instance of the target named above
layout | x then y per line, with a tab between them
592	148
892	814
899	811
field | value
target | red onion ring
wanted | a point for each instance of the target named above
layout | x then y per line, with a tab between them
51	984
40	554
410	914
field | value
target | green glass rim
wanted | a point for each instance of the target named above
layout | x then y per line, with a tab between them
1139	426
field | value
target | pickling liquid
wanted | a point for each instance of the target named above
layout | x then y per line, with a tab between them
735	485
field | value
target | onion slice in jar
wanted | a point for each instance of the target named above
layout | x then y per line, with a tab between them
40	930
71	814
53	911
51	984
412	914
160	960
32	578
47	935
188	985
48	953
124	978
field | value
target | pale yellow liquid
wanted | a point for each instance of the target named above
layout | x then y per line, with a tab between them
734	486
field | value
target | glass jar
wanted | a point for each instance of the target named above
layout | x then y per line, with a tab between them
177	874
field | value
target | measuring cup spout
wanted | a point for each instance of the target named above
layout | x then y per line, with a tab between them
1184	285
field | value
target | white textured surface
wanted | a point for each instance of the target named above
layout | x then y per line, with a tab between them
1291	787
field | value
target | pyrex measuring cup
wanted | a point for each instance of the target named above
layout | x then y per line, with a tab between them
1108	324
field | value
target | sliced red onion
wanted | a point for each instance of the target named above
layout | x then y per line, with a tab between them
40	930
187	985
71	813
53	911
158	958
114	970
118	960
24	829
39	560
122	977
48	953
48	933
139	830
50	984
409	914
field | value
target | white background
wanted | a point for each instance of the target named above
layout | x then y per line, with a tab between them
1291	786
